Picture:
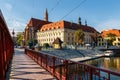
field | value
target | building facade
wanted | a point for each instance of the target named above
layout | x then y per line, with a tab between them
65	31
34	25
101	41
113	31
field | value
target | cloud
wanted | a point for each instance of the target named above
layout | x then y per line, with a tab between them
8	6
109	24
17	24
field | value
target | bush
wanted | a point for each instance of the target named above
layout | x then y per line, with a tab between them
46	45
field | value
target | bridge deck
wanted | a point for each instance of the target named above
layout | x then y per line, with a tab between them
22	67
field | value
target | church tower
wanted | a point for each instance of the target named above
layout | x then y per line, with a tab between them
46	15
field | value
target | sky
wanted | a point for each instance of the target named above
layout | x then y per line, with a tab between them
100	14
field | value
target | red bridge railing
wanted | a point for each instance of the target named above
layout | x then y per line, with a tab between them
6	47
70	70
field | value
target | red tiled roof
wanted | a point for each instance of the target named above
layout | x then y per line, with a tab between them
36	22
66	24
54	25
113	31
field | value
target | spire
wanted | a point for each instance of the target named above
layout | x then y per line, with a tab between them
85	22
46	15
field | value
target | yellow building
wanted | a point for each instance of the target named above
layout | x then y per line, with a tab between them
113	31
117	41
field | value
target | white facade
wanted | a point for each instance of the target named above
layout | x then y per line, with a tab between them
49	36
66	35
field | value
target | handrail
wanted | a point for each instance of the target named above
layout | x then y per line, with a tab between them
70	70
6	47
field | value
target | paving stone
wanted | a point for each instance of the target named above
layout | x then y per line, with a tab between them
24	68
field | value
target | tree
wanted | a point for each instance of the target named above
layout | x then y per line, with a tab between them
94	38
79	35
46	45
111	38
20	38
32	43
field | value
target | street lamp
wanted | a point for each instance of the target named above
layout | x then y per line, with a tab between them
13	33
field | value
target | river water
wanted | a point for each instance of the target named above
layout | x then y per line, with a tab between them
110	63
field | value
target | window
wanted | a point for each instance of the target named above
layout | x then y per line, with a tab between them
72	38
118	39
58	27
68	38
59	33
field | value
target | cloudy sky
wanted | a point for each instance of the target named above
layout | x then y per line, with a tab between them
100	14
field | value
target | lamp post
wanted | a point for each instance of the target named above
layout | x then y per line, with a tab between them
13	33
23	40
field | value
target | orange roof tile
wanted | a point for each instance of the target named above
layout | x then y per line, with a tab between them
113	31
66	24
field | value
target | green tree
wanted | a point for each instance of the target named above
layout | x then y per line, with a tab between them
111	38
46	45
79	35
32	43
20	39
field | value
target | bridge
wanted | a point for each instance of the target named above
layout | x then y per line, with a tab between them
29	64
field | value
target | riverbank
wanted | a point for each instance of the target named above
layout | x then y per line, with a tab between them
81	59
75	55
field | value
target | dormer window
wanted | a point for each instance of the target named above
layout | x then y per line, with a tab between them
57	27
52	27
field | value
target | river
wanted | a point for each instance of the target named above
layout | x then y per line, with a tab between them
110	63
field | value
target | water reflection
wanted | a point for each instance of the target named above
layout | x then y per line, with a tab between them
112	63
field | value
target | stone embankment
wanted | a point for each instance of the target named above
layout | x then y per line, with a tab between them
75	55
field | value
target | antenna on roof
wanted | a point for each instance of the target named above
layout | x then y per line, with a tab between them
79	21
85	22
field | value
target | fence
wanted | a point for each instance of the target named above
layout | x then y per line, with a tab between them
6	47
70	70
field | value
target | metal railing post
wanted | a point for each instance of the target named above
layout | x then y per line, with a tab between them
66	69
53	66
91	74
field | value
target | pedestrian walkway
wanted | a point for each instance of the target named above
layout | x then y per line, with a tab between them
24	68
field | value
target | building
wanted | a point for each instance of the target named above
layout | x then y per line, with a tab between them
34	25
113	31
46	32
101	41
64	30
